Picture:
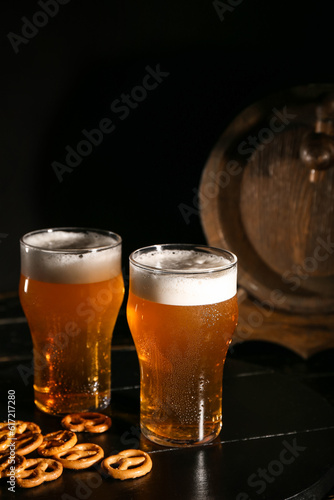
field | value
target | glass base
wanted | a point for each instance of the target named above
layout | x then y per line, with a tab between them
167	441
74	404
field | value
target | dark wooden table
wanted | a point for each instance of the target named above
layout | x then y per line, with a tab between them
277	441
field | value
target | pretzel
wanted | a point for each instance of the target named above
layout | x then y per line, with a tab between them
28	442
86	422
5	440
80	456
10	465
35	472
26	436
126	459
20	427
29	426
55	442
7	433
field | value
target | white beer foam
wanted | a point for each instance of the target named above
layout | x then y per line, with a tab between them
73	267
188	286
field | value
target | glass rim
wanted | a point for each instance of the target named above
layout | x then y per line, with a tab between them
185	246
75	229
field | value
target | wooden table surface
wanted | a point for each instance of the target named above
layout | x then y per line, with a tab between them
273	400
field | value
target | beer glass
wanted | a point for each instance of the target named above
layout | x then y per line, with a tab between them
71	289
182	311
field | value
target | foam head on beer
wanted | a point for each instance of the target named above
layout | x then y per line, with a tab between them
59	256
183	277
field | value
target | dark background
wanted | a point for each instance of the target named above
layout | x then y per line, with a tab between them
66	77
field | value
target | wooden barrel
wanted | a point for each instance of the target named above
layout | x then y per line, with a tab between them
267	194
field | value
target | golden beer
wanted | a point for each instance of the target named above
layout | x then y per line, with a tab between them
71	290
182	311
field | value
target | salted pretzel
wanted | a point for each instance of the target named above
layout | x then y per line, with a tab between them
7	433
26	435
130	464
27	442
20	427
55	442
36	472
86	422
5	441
8	463
29	427
80	456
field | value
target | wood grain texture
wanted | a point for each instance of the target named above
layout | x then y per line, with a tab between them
283	213
305	335
257	200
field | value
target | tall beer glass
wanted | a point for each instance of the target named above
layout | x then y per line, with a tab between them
71	290
182	311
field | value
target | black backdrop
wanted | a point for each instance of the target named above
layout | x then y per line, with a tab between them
62	77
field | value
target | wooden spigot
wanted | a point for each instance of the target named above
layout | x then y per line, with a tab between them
317	147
